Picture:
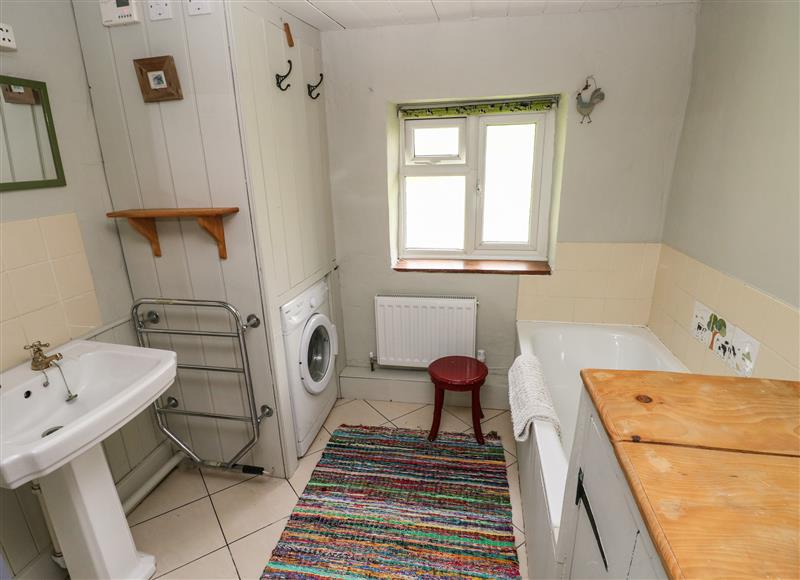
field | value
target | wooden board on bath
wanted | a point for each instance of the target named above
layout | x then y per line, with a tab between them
717	514
755	415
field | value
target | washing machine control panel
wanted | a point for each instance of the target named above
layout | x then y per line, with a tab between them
298	310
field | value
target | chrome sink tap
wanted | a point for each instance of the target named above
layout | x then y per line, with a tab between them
40	361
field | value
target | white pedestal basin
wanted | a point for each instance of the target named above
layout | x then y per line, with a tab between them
44	437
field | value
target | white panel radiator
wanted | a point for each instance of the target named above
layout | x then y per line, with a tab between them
413	331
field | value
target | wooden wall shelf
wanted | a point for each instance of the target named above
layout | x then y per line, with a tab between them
208	218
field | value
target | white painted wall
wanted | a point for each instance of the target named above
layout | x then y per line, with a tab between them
617	169
735	199
184	153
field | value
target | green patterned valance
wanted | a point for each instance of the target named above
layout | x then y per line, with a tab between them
533	104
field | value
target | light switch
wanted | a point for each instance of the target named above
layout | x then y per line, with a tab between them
198	7
160	10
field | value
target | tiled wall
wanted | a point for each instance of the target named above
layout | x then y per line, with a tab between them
593	282
47	289
682	280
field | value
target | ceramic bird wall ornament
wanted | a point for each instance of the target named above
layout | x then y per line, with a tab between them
585	108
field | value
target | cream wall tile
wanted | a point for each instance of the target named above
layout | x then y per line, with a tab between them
83	311
695	355
771	365
774	324
43	263
33	287
73	275
530	285
48	325
557	309
12	339
8	308
626	257
62	235
21	244
588	310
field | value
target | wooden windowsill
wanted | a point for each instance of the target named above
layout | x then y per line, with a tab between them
516	267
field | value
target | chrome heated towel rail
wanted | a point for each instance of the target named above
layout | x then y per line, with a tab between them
241	325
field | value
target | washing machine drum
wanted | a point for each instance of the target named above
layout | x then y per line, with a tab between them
318	349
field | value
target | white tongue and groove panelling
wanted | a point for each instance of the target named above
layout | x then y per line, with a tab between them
343	14
184	153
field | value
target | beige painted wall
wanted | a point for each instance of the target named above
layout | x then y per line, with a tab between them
735	198
617	169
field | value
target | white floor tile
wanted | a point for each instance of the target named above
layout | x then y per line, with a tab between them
216	566
423	418
355	413
252	552
393	409
320	441
340	402
184	485
522	555
180	536
302	476
516	501
465	413
502	424
219	479
253	504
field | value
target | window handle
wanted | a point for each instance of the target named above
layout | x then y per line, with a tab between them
582	497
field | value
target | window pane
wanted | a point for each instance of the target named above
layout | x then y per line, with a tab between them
507	183
436	142
435	212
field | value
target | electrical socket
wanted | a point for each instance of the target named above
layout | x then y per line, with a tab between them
198	7
7	40
160	10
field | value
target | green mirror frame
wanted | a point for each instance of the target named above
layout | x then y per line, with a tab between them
59	180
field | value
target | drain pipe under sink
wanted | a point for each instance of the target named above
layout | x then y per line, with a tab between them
150	483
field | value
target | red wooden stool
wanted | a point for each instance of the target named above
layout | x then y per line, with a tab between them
458	373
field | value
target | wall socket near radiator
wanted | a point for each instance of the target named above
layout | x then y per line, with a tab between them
159	10
7	40
481	355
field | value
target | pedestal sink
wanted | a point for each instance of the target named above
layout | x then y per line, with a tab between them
44	437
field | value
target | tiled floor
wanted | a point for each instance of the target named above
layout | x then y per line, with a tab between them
208	524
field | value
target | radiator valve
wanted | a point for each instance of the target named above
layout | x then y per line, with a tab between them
372	360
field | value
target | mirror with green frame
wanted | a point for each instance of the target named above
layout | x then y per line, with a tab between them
29	156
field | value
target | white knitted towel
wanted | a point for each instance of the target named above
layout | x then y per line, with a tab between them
529	396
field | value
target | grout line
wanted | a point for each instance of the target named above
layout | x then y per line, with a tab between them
169	511
189	562
233	560
216	515
248	534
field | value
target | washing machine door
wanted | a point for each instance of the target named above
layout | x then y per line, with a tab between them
318	349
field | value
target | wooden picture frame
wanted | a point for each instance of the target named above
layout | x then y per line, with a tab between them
158	79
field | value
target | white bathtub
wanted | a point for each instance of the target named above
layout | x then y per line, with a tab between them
564	349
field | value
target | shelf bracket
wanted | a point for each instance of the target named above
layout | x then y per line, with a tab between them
213	225
147	227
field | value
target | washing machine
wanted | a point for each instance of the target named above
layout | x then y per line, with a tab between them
311	346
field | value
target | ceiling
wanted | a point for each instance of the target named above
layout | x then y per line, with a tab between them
342	14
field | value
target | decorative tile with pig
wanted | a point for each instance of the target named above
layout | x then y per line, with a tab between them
734	346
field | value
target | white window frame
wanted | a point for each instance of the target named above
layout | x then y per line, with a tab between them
410	124
473	167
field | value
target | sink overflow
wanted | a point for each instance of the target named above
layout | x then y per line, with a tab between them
51	430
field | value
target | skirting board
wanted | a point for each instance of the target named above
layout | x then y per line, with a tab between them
413	387
42	568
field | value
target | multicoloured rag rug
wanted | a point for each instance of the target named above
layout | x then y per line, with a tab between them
387	503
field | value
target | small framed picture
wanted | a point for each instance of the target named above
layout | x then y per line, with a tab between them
158	79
